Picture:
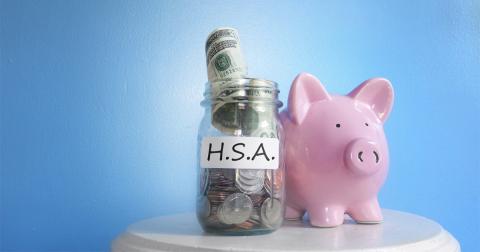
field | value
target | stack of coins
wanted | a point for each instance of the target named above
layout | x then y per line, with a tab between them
239	199
250	181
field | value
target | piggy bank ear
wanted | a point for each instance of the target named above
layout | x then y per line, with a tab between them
378	93
305	90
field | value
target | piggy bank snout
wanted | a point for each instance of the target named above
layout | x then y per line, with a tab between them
363	156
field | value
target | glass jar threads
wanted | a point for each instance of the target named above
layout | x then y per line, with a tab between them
240	158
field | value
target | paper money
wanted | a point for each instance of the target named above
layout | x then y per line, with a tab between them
224	56
237	200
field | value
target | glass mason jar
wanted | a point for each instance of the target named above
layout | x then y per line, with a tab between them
240	158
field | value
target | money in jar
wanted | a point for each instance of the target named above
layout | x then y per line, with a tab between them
240	164
225	61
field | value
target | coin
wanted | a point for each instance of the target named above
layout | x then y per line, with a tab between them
268	187
257	200
204	207
251	189
250	181
235	209
222	180
217	197
274	182
251	173
271	212
249	224
203	181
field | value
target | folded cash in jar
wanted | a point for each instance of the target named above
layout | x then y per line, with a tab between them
239	199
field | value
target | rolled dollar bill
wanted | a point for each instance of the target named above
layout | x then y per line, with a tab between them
224	56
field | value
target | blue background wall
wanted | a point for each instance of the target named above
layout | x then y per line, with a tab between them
100	104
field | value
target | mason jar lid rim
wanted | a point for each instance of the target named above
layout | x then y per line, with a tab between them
212	90
245	80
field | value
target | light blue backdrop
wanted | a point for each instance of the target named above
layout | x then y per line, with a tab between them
100	104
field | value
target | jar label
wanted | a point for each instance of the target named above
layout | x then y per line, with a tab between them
239	153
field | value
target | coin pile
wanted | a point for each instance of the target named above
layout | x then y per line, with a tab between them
239	199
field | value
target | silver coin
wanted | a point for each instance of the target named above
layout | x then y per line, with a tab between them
250	185
255	216
269	174
271	212
220	214
249	182
250	189
269	183
235	209
251	173
268	187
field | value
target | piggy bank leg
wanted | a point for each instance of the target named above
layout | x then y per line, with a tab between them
326	216
292	213
368	212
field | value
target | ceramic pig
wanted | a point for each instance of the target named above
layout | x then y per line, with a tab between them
336	151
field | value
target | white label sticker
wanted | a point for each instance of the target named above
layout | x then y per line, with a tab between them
239	153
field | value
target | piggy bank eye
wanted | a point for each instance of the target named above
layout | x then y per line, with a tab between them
337	125
366	124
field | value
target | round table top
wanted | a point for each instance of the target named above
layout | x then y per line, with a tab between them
400	231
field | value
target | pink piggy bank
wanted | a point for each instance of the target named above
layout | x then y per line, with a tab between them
336	151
